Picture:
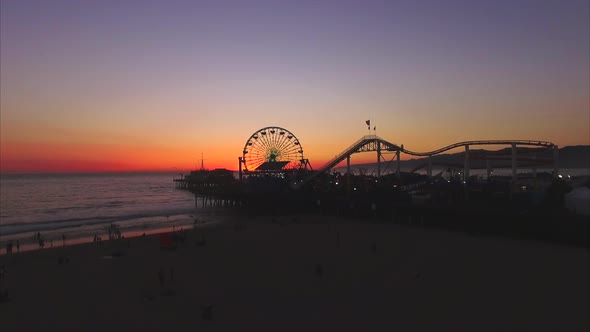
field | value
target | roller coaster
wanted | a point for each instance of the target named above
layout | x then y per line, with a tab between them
375	143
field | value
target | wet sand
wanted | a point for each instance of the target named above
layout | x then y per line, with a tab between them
301	274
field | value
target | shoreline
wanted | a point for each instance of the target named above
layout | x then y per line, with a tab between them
527	228
81	234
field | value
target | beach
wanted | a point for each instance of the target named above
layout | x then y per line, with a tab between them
300	273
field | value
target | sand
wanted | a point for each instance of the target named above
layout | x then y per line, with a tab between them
302	274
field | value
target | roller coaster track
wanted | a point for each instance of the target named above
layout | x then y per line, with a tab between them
543	144
374	142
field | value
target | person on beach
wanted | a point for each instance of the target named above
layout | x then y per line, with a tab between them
161	277
3	291
207	312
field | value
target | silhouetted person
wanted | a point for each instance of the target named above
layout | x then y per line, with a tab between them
207	312
3	293
319	270
201	241
161	277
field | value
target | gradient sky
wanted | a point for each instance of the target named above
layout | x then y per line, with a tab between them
150	85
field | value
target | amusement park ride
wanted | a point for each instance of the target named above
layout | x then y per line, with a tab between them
272	150
275	150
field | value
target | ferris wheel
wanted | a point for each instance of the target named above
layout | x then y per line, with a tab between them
272	149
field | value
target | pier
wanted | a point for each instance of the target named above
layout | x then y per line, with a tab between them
275	177
213	188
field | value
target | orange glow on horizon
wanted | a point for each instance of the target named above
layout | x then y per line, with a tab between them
37	158
60	157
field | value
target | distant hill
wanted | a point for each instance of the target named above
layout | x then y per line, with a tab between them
577	156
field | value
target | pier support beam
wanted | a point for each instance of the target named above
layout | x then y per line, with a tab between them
555	161
514	165
240	160
429	171
348	164
535	173
466	168
378	160
535	166
348	173
398	165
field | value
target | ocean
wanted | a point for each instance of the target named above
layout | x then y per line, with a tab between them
80	206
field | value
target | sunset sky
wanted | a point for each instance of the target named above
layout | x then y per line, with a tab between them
150	85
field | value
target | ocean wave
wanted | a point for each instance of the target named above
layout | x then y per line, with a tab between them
17	228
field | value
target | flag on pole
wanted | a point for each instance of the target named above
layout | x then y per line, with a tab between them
368	122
